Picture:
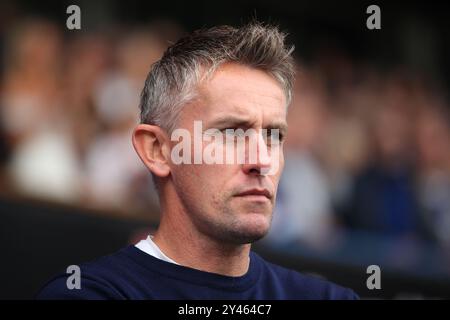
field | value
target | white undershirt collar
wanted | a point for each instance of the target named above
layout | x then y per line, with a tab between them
151	248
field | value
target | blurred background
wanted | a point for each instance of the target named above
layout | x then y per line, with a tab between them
367	176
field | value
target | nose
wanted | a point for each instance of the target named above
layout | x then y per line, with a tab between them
257	158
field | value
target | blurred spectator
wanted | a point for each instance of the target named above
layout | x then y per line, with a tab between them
384	197
68	106
43	162
433	138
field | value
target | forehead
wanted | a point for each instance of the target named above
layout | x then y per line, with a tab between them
242	91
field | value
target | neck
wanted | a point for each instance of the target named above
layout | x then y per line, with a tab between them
180	240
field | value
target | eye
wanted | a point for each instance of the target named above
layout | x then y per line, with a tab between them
274	135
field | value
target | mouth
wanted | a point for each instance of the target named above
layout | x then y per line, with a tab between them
256	194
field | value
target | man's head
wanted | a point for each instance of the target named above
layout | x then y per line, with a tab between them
226	78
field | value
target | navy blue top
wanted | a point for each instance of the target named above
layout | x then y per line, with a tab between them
133	274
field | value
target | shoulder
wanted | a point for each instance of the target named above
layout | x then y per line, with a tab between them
99	279
297	285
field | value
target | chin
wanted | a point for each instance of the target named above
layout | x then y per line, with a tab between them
248	237
251	231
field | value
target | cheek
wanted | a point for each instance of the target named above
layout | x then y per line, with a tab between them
217	182
209	187
278	163
281	163
276	177
202	179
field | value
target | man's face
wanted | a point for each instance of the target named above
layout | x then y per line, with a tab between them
233	202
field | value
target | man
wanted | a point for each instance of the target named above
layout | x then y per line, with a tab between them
225	80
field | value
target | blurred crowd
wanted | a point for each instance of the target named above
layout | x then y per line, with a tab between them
68	106
368	148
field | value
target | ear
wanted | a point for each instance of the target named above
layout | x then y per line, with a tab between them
152	145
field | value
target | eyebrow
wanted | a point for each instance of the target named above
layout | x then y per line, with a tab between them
233	121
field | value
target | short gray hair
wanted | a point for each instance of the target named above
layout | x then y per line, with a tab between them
172	80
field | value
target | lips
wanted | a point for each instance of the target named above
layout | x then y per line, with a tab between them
256	192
